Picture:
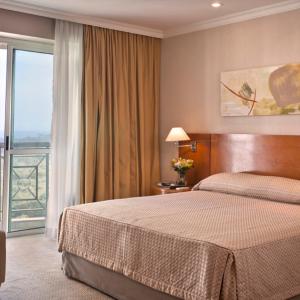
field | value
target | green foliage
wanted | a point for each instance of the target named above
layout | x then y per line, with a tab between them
270	107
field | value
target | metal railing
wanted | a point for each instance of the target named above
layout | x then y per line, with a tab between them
28	190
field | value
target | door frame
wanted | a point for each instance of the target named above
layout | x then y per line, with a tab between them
37	45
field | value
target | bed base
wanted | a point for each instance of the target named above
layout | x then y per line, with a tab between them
109	282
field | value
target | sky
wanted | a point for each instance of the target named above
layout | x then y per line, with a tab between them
32	93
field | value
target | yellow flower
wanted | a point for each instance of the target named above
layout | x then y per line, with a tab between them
182	164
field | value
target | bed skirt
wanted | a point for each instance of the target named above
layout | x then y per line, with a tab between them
107	281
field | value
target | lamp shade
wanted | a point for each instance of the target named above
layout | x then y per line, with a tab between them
177	134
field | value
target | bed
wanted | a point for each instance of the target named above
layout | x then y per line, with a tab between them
236	236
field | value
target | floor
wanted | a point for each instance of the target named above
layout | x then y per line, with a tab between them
33	272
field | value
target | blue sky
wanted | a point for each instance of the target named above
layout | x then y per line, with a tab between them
32	109
33	73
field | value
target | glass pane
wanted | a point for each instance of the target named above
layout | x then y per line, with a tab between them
28	191
3	62
3	58
32	99
1	181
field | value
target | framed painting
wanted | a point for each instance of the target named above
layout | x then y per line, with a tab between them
261	91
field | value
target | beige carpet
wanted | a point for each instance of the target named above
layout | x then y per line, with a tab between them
33	273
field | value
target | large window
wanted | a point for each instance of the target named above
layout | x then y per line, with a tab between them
26	80
3	60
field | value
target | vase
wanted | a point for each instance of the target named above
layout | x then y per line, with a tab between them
181	179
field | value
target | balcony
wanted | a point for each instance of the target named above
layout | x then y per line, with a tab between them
28	191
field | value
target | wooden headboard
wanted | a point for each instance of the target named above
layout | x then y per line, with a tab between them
277	155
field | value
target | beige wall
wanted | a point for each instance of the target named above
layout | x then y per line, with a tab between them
26	24
191	66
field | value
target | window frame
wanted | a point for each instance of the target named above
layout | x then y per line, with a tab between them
4	46
26	44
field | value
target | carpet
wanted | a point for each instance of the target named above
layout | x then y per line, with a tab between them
34	273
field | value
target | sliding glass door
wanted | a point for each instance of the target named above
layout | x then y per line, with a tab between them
27	132
3	63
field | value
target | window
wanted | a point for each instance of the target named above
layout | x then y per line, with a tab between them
32	98
26	80
3	60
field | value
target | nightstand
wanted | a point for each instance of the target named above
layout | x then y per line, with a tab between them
166	190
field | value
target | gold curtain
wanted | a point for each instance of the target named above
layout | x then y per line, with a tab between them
120	155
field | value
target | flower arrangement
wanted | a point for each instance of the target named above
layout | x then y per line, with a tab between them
181	166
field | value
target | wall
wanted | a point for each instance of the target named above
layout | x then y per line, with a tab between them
26	24
191	66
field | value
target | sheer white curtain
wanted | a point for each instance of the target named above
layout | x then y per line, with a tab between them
65	154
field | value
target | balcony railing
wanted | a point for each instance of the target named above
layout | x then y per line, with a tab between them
29	185
28	190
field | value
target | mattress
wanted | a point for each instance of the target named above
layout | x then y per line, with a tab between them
192	245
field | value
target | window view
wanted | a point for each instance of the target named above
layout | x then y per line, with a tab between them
3	56
32	99
30	123
31	131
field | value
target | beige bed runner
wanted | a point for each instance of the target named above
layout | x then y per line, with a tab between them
193	245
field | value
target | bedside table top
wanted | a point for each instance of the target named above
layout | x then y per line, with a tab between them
167	190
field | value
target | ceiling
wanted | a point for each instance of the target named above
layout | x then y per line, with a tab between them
157	15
